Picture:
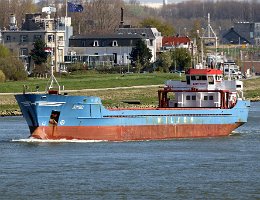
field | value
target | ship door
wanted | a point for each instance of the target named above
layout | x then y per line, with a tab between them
54	118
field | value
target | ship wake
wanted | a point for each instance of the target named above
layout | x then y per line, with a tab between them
34	140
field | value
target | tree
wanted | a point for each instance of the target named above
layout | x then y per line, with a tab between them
181	59
12	67
164	28
2	76
165	61
4	52
141	54
38	53
98	17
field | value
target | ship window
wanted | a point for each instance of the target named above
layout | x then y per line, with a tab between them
199	78
205	98
218	78
193	78
188	80
210	97
187	97
193	97
211	80
204	78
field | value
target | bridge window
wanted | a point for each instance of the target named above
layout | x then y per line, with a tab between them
211	80
199	78
205	98
211	97
188	97
188	80
193	97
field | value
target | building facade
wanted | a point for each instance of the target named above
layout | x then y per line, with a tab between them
54	32
112	49
243	33
151	36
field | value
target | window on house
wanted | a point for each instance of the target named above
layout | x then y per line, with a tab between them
8	38
24	38
23	52
50	38
37	37
151	42
188	97
95	44
114	43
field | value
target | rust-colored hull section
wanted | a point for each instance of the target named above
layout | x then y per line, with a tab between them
128	133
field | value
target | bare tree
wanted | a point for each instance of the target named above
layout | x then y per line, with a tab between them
17	7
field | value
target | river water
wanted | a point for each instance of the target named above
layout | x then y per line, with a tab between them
212	168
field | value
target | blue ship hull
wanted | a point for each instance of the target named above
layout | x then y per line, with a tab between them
84	117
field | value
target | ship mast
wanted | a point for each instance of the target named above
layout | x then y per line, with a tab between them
52	80
211	35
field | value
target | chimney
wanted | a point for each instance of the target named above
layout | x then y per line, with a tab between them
12	22
122	18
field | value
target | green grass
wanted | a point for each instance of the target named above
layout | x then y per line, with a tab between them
90	81
252	88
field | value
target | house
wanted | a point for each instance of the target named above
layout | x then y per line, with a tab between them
243	33
172	42
151	36
54	32
110	49
233	37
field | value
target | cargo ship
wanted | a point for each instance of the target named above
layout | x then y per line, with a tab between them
204	105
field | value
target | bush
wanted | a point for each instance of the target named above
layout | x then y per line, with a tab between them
75	67
2	76
13	69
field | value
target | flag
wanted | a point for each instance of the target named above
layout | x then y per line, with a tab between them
73	7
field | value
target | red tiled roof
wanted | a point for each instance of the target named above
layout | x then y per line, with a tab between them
174	41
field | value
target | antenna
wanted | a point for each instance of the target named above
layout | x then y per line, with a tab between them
49	10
